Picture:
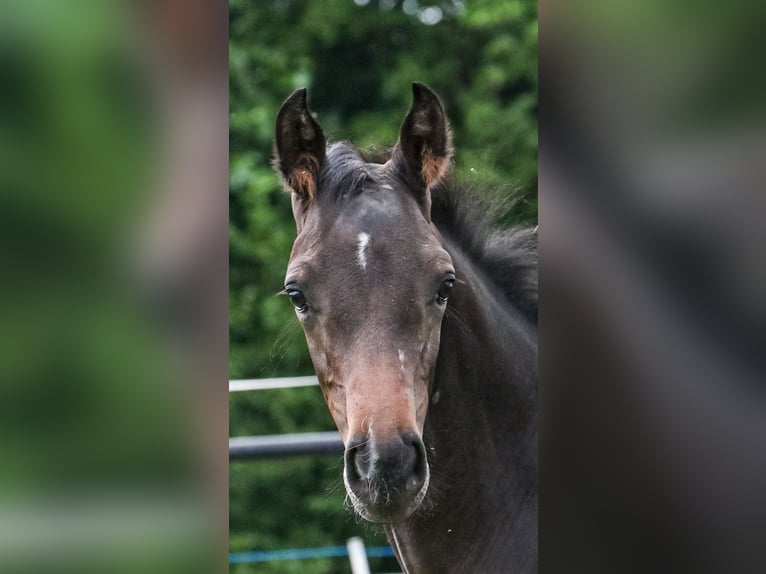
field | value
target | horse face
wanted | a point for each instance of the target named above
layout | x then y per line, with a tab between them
370	280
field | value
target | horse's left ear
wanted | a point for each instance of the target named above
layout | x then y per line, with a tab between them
424	149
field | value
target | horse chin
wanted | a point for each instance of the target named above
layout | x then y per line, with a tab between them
389	510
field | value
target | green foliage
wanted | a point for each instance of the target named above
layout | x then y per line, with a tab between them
358	60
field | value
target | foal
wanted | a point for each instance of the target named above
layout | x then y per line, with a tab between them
421	324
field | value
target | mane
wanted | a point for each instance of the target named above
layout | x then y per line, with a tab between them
508	256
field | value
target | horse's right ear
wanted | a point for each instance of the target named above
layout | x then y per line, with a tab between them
299	147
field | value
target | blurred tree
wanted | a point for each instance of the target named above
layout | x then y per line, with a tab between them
358	59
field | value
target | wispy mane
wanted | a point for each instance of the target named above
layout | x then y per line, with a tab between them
508	256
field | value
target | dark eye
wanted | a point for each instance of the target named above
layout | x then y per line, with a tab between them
298	299
444	291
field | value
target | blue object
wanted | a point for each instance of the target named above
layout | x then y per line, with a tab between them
304	554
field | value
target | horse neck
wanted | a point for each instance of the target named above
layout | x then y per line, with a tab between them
481	438
486	373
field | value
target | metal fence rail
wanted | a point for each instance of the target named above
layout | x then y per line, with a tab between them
275	383
283	445
307	553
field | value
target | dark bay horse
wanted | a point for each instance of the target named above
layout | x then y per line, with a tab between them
421	324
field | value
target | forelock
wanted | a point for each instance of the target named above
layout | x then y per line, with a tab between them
344	173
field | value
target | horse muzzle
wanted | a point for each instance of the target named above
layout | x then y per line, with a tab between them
386	481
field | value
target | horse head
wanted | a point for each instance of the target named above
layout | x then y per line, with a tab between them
370	279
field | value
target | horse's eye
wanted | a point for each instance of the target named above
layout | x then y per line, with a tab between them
444	290
298	299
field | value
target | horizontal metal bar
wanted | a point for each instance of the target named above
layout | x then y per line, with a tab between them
275	446
304	553
275	383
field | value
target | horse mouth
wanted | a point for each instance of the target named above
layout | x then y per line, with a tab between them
382	503
386	481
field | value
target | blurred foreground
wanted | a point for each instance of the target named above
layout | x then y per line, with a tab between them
653	303
113	219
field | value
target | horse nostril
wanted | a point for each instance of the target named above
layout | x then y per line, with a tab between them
417	466
357	460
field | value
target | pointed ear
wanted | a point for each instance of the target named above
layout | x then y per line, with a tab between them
424	149
299	147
